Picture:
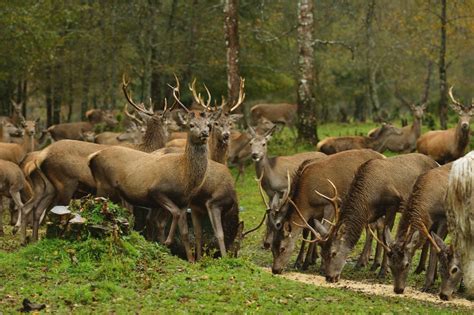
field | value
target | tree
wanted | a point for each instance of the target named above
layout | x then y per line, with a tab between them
231	31
305	96
443	88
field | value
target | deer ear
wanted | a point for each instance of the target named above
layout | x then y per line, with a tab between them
439	241
320	228
415	238
387	236
286	228
275	200
236	117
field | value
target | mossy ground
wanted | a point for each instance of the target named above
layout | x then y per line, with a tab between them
135	276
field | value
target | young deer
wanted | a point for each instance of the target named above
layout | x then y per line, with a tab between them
448	145
15	152
167	182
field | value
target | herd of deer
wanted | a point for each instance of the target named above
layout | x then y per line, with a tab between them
159	171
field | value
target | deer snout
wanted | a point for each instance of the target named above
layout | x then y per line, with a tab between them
204	134
398	290
465	126
226	136
444	296
255	157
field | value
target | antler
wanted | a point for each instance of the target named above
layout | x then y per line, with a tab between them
306	224
141	107
197	97
334	201
378	240
132	116
176	94
259	180
258	226
241	98
424	230
456	104
286	195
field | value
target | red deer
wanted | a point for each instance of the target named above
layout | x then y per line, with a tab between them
447	145
424	211
15	152
73	130
12	182
459	204
8	131
377	142
379	188
282	113
167	182
273	171
301	204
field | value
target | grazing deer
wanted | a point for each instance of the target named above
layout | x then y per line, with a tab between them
72	131
300	203
379	188
12	182
447	145
424	211
450	268
273	171
377	142
282	113
167	182
459	205
15	152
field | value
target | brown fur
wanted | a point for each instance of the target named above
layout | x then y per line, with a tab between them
282	113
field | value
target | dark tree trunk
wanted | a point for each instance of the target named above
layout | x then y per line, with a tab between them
370	64
443	88
49	97
24	93
306	101
231	31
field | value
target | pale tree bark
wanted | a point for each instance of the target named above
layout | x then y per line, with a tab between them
231	31
443	88
306	100
370	64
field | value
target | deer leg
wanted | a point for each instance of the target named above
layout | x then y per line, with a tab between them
184	231
379	225
430	272
2	233
424	254
299	259
197	227
309	255
389	220
216	221
150	224
163	220
365	255
17	199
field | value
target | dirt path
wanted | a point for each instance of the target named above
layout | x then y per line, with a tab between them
372	289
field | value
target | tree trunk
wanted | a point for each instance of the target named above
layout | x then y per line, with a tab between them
231	31
306	101
25	96
371	68
443	88
49	97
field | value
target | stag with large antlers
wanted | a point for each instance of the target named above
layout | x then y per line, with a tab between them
448	145
424	212
167	182
379	188
302	204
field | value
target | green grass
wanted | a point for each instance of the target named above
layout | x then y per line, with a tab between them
135	276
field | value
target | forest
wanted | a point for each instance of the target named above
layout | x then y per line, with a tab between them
236	156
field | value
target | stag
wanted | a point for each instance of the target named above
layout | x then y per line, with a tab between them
301	204
448	145
423	212
379	188
377	142
459	204
167	182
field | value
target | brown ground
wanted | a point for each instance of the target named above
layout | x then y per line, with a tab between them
372	288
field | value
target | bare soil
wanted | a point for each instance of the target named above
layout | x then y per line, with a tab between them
373	289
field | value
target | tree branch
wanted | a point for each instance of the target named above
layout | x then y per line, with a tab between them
334	42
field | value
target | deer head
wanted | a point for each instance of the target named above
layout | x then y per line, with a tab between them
259	143
465	112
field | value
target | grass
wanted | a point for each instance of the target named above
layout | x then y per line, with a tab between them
136	276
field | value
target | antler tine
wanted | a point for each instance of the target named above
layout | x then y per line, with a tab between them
306	225
425	231
197	98
378	240
176	94
258	226
129	98
455	102
132	116
332	200
152	107
259	180
208	103
241	95
288	185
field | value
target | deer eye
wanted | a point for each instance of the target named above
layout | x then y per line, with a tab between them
454	270
406	265
191	125
333	254
264	144
282	250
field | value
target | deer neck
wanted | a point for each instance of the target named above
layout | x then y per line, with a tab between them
28	142
195	165
263	166
217	149
462	138
416	127
154	137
